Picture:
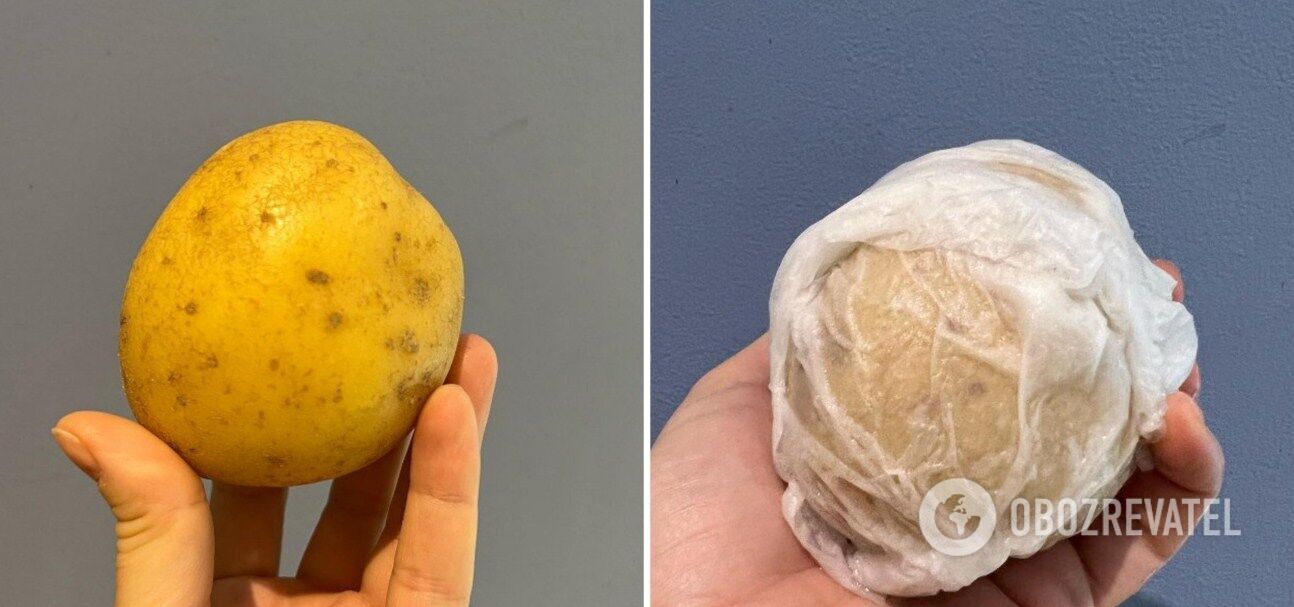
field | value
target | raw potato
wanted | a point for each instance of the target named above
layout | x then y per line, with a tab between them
291	310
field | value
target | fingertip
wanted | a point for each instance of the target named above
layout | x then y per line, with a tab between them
1182	403
1192	384
1168	266
447	415
481	349
104	434
77	422
1189	454
1179	290
108	432
449	393
475	370
76	451
475	357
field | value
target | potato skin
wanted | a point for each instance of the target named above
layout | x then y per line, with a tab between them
291	310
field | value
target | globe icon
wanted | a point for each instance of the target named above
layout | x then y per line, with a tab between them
959	516
963	500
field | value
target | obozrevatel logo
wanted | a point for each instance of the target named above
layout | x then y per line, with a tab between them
968	512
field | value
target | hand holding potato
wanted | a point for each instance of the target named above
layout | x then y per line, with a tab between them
718	533
390	534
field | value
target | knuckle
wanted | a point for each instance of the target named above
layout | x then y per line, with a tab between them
428	585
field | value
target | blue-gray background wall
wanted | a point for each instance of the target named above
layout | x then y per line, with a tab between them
765	119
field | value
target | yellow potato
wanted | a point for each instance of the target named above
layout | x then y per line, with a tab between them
291	310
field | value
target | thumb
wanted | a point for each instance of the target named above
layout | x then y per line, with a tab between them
164	532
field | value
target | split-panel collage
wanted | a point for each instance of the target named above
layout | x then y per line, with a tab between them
590	303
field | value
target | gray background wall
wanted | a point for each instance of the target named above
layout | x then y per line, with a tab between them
764	119
521	121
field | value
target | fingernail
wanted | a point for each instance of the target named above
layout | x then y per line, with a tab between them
76	451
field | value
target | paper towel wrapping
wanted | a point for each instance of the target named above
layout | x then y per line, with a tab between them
981	312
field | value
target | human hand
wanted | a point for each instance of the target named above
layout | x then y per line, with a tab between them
718	536
401	531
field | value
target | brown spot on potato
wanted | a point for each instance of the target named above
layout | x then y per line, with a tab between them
412	393
276	461
173	377
181	400
166	261
274	364
390	344
212	362
336	396
191	308
409	342
202	214
421	290
253	157
267	217
383	203
228	388
975	389
331	162
334	320
318	277
399	237
122	320
426	376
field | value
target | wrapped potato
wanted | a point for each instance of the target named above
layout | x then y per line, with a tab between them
980	313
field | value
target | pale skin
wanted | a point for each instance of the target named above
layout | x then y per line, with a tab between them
718	536
401	531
